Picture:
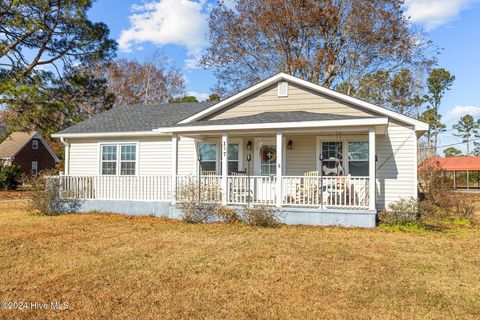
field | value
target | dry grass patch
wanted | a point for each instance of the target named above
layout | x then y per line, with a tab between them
114	267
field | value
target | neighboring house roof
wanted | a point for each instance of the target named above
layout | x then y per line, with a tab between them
272	117
137	118
15	142
419	125
452	163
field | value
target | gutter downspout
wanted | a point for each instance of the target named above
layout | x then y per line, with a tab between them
67	156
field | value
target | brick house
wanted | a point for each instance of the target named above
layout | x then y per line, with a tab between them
29	150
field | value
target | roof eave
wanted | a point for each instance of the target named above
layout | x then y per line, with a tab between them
107	134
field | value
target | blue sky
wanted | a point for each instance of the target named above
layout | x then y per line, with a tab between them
179	27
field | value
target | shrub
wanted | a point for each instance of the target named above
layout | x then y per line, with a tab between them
51	201
262	216
400	212
38	182
195	208
10	177
463	206
227	215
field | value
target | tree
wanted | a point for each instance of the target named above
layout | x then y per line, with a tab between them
213	98
451	152
398	92
435	126
48	104
184	99
152	82
466	128
56	35
439	81
41	32
325	42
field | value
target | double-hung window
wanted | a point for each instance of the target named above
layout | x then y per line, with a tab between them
358	158
118	159
208	154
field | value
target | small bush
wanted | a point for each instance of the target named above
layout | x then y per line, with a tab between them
38	182
51	201
10	177
400	212
463	206
262	216
227	215
195	208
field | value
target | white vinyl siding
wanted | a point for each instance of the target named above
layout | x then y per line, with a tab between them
396	165
154	155
84	159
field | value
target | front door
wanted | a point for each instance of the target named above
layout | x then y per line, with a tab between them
265	168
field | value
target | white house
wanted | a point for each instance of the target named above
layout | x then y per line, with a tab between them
322	157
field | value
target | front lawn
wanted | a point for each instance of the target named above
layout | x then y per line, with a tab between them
113	267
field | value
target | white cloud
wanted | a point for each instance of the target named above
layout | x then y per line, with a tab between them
201	96
459	111
433	13
179	22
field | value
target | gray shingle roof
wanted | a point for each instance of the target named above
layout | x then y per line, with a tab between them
272	117
138	118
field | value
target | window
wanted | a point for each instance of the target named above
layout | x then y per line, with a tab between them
208	152
34	144
109	160
34	171
233	158
283	89
332	153
118	159
127	160
358	158
268	160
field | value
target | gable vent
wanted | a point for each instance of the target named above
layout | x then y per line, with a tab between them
283	89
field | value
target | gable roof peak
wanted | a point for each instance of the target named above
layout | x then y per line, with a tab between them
282	76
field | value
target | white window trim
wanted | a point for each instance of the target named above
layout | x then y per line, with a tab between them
218	159
118	144
34	144
36	169
345	141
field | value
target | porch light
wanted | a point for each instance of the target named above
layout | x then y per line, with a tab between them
249	145
289	145
199	158
249	157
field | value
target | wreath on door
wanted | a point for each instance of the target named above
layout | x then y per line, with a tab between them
269	154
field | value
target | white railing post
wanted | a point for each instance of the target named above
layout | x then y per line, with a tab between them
371	169
278	189
174	168
224	168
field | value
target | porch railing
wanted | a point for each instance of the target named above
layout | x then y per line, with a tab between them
302	191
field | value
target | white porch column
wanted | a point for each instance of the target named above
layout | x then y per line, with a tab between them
174	167
371	168
278	189
224	168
